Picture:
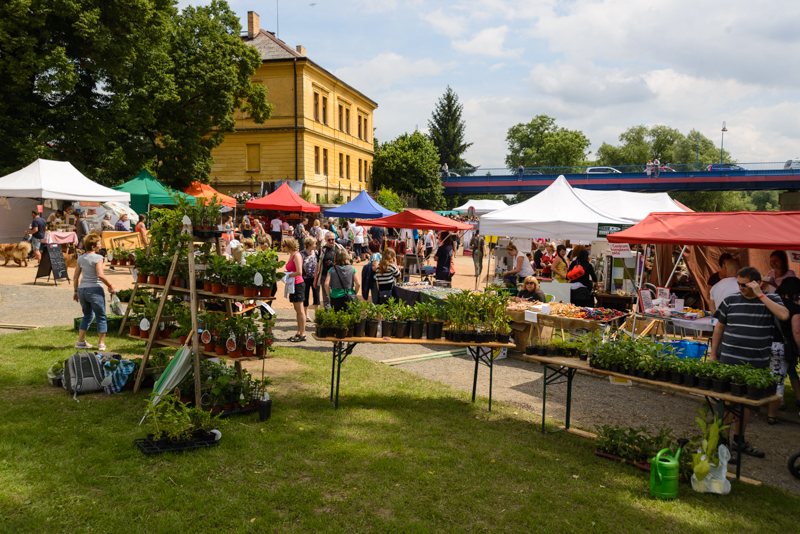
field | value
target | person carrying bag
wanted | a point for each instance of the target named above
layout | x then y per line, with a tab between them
342	283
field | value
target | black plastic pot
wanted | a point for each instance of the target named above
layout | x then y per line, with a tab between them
387	328
430	330
665	376
57	383
676	378
703	383
541	350
416	329
719	386
359	328
371	329
738	390
341	333
489	337
264	409
583	356
503	338
651	376
615	368
439	329
552	352
755	393
401	329
457	337
320	331
689	380
448	335
530	350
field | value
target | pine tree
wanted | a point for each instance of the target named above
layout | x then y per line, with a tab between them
446	130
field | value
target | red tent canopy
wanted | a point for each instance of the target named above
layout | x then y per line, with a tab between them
738	229
418	220
201	190
282	199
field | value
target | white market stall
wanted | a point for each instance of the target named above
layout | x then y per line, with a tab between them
482	207
627	205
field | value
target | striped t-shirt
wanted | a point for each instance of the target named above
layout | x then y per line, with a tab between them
388	277
748	330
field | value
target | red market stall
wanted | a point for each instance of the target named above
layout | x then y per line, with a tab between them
282	199
201	190
418	220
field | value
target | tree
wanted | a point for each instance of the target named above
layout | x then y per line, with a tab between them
715	200
446	130
113	87
409	164
389	200
540	143
638	144
686	151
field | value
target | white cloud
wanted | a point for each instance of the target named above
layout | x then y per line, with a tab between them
447	24
387	70
496	66
488	42
587	84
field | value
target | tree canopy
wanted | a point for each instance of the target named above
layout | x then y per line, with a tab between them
540	143
409	164
639	144
116	86
447	131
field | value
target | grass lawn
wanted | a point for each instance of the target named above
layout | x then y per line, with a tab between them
402	454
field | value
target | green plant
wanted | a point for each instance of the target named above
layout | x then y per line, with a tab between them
159	358
199	419
220	386
708	441
166	414
183	316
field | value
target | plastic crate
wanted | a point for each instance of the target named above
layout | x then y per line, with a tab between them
687	349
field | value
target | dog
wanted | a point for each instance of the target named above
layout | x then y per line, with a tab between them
18	253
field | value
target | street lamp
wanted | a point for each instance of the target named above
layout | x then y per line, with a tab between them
722	143
697	163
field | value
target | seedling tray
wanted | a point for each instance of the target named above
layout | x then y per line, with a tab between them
150	447
232	413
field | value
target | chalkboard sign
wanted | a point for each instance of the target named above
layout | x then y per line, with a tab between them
52	262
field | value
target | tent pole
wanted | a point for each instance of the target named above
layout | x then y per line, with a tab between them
658	265
675	268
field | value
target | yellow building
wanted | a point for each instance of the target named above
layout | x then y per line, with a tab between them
320	130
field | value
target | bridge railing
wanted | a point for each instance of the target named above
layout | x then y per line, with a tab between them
664	168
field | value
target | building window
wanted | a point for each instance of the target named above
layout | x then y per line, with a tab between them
366	137
317	198
316	160
324	110
316	107
359	126
253	159
348	198
366	172
325	161
341	118
341	164
347	120
348	167
359	169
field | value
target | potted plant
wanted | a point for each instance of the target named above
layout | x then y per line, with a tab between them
371	323
530	349
738	379
705	374
721	382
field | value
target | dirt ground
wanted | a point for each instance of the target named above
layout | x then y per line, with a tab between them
595	400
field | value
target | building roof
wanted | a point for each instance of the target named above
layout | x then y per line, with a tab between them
273	49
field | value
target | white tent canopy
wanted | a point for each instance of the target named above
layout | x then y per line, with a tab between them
58	180
556	212
628	205
482	206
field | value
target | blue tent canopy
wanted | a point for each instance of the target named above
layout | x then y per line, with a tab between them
362	207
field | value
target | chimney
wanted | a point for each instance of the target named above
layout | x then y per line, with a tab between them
252	24
301	50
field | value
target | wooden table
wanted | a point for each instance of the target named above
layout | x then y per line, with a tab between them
483	353
565	368
616	302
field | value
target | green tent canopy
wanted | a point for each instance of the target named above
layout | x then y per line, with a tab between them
144	190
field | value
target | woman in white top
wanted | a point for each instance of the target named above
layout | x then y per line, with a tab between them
779	262
522	265
358	239
89	292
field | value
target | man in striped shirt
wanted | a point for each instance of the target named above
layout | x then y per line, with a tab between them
744	332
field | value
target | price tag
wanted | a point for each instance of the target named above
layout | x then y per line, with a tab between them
161	327
231	343
258	279
144	324
531	316
186	220
205	337
187	225
266	307
546	310
250	344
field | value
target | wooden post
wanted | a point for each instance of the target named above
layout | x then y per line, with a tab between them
193	303
128	309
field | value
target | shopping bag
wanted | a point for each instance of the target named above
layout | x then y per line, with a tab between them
116	307
716	480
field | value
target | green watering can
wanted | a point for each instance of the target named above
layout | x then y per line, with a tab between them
664	472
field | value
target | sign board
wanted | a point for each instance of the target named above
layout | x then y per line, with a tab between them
645	300
794	255
110	241
620	250
604	229
471	211
523	244
52	262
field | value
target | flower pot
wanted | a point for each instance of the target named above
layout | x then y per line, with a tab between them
530	350
416	329
677	378
206	286
458	337
235	353
340	333
468	337
221	350
320	331
703	383
541	350
141	278
264	409
583	356
387	328
738	390
261	350
216	289
754	393
122	263
135	330
503	338
266	291
183	339
250	291
144	334
114	262
401	329
448	335
551	352
185	283
665	376
371	328
652	376
719	386
689	380
614	366
430	331
152	280
234	290
176	282
208	347
162	280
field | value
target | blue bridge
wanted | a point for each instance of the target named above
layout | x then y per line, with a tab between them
749	177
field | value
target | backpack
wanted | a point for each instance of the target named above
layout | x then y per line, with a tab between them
309	264
83	373
298	234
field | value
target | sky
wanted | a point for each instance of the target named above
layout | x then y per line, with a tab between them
598	66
